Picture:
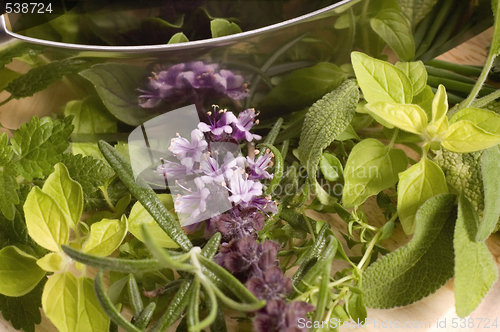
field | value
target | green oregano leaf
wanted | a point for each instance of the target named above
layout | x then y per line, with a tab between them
330	166
371	168
417	184
484	119
475	269
421	267
417	74
381	81
465	136
39	78
395	30
326	119
106	236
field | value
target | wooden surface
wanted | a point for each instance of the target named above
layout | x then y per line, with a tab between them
437	307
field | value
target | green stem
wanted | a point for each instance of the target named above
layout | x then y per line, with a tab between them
486	99
368	252
5	101
309	226
104	191
393	139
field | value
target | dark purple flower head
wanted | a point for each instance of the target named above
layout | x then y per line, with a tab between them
237	223
273	285
192	81
243	124
258	168
282	317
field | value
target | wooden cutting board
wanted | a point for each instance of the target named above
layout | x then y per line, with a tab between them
434	313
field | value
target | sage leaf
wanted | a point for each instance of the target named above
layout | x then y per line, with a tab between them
464	136
421	267
417	74
484	119
381	81
305	86
395	30
490	163
416	185
71	304
410	118
39	78
475	269
221	27
19	273
371	168
326	119
65	191
106	236
47	223
139	216
117	84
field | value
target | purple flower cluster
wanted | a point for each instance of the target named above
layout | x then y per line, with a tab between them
191	82
213	182
257	265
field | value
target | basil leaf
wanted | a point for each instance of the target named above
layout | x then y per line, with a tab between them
395	30
39	78
490	163
465	136
381	81
304	86
486	120
475	269
19	273
139	216
116	85
40	144
360	180
326	119
330	167
70	303
90	116
106	236
221	27
67	193
417	74
47	224
417	184
179	37
410	118
421	267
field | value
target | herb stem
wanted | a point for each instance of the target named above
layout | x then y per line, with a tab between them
486	99
393	139
368	252
340	281
309	226
106	197
6	101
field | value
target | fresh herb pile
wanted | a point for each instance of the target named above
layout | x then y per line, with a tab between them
236	232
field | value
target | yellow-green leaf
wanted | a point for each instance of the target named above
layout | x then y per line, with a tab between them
487	120
47	224
417	184
19	273
65	191
381	81
439	122
464	136
395	30
91	316
139	216
417	74
410	118
106	236
52	262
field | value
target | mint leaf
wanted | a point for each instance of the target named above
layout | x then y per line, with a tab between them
117	85
221	27
421	267
8	190
475	269
23	312
304	86
5	149
324	121
371	168
7	76
40	144
91	173
19	50
490	163
39	78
